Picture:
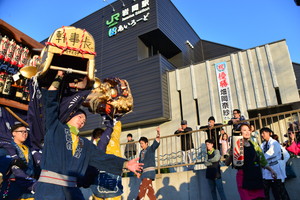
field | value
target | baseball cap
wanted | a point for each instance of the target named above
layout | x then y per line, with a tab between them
183	122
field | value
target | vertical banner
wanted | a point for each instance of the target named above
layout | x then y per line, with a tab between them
224	91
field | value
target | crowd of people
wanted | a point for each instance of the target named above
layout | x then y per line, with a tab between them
266	161
69	161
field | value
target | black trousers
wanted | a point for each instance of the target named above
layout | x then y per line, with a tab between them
278	189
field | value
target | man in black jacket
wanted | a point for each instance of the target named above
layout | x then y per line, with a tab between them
186	142
212	131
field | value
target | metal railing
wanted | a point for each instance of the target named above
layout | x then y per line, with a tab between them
170	155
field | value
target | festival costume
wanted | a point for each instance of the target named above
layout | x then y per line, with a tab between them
58	160
69	103
7	120
147	156
17	184
106	185
5	161
272	152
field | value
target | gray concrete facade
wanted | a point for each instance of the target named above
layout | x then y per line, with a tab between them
254	76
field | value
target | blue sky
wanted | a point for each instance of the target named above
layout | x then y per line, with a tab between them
238	23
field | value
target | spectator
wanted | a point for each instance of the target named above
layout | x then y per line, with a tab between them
293	149
272	152
249	176
186	141
147	157
213	171
235	121
292	145
130	149
254	134
293	127
222	131
18	183
224	144
212	132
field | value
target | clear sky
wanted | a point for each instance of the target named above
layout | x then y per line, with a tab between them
237	23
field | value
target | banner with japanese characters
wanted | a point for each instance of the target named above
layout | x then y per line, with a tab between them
224	91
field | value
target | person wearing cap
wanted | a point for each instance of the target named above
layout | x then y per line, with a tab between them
66	156
19	179
186	142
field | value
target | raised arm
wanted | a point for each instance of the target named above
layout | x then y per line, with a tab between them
57	81
157	134
52	104
111	163
106	135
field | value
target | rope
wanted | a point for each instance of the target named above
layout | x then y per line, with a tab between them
35	84
70	48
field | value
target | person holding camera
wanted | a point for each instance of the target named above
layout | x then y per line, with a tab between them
235	121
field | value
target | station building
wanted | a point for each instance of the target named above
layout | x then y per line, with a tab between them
174	74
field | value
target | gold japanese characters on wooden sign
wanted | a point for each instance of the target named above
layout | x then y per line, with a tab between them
72	50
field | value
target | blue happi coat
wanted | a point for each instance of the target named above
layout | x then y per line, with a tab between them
57	155
149	160
17	183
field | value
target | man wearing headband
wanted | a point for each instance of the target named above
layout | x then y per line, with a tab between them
66	156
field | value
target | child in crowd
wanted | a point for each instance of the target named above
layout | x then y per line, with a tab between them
224	145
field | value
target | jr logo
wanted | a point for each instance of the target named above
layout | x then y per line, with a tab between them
113	20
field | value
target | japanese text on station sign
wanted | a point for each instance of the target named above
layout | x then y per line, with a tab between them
128	17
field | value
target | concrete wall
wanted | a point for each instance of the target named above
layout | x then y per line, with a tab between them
192	185
253	75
